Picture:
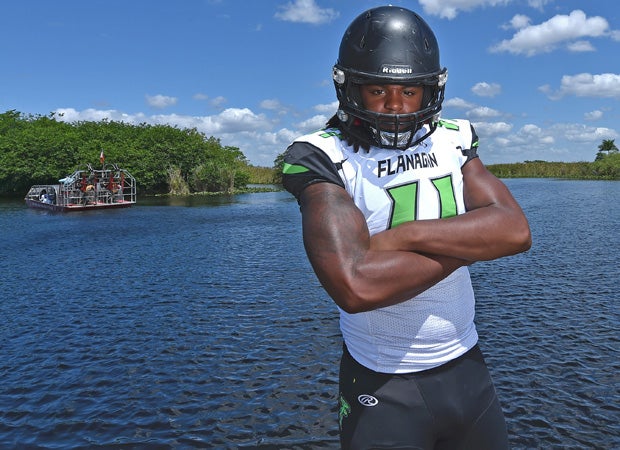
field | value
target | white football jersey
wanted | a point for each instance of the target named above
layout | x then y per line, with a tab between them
391	187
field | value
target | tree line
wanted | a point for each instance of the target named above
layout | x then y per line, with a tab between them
606	166
36	149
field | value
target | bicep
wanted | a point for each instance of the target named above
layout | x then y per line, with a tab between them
482	188
334	231
494	215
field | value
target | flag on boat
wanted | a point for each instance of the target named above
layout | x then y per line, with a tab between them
101	157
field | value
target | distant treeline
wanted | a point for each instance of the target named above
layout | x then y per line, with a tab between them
605	168
163	159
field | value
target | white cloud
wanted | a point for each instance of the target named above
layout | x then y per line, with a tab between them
200	96
271	104
313	123
457	102
218	102
545	89
517	22
475	113
593	115
546	37
534	134
531	130
306	11
160	101
234	120
605	85
492	128
484	89
538	4
577	132
329	108
580	46
482	112
449	9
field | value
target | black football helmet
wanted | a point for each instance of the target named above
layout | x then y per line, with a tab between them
388	45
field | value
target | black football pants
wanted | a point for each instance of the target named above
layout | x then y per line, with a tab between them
453	406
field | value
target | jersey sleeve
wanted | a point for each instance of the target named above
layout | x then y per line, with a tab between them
306	164
472	151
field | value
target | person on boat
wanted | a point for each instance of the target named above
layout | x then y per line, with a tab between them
118	189
51	197
89	194
395	206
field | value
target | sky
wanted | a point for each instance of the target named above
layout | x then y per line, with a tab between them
539	79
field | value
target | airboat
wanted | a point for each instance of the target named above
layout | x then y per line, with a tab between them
86	189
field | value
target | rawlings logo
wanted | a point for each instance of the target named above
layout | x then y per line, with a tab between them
367	400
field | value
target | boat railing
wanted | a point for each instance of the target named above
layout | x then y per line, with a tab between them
45	193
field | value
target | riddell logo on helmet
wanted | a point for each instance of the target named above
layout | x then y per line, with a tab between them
397	70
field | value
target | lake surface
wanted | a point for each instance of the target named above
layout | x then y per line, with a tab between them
198	323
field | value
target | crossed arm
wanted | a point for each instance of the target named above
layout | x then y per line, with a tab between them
361	273
494	225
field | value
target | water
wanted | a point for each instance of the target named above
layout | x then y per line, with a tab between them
199	324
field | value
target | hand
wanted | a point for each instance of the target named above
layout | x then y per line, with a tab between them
383	241
391	240
394	239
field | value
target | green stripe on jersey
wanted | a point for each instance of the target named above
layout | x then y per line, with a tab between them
448	125
293	169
